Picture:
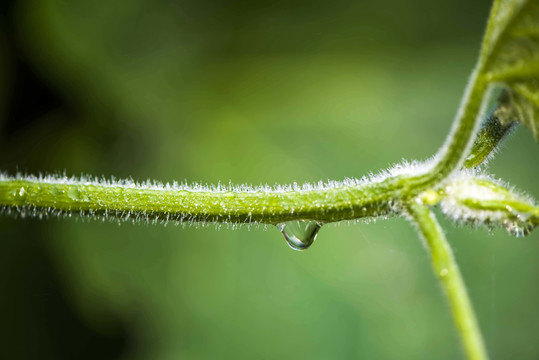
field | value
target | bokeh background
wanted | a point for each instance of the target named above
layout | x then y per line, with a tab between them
251	92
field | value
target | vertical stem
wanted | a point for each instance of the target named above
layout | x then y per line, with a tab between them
446	270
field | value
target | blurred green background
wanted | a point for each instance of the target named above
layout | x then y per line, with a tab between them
252	92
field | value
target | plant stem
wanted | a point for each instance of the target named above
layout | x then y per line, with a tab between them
459	142
446	270
130	201
344	201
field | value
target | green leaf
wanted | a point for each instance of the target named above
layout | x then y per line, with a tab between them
515	106
510	55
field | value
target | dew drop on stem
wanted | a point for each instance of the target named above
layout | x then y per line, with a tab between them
299	234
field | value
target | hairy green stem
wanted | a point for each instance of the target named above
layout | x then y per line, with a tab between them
147	203
460	139
446	270
335	203
326	204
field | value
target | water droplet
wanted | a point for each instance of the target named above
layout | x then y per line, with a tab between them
73	194
22	191
299	234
